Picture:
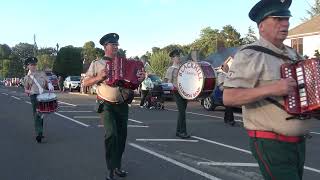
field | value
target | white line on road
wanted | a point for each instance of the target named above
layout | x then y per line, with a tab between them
207	115
314	133
67	103
86	125
15	97
75	111
228	164
5	94
133	126
28	102
189	168
167	140
242	150
221	144
138	126
135	121
86	117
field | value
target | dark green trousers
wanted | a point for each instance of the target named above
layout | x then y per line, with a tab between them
182	106
115	117
38	121
279	160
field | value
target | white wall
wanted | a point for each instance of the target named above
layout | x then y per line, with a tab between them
310	44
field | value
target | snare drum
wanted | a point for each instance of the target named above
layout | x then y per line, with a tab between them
47	103
196	80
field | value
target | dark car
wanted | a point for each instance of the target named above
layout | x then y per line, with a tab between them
215	99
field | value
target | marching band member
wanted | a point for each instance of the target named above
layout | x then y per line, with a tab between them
113	106
35	83
171	77
277	144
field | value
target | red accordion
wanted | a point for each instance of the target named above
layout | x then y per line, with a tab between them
123	72
306	99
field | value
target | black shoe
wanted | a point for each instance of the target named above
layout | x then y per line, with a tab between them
183	135
120	172
111	175
39	139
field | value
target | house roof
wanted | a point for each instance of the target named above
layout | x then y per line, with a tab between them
307	28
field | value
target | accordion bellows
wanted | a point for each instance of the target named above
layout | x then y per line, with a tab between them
123	72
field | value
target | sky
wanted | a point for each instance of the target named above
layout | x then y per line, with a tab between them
141	24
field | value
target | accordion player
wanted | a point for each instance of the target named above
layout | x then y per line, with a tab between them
122	72
306	98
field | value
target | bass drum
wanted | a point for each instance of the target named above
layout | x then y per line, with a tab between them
196	80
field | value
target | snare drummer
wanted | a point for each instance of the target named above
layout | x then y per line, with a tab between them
35	83
171	77
277	144
113	106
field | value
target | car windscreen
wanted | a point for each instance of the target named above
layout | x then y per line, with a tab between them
75	78
155	78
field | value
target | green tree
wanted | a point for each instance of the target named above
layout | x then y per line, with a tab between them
5	51
314	10
159	62
5	66
250	37
23	50
230	37
89	52
68	62
45	62
317	54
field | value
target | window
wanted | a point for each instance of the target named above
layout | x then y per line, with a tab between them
297	44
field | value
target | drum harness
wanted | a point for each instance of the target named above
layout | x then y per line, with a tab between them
303	116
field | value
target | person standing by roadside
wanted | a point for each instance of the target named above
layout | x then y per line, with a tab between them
146	86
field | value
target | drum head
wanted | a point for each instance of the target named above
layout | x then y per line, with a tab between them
46	97
190	80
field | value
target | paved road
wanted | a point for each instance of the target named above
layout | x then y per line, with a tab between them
73	148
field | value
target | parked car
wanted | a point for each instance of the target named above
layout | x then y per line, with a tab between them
168	90
215	99
72	83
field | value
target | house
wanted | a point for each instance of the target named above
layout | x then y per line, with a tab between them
305	38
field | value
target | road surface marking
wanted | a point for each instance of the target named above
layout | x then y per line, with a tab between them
28	102
228	164
203	114
67	103
83	124
242	150
167	140
133	126
189	168
314	132
75	111
221	144
86	117
135	121
15	97
5	94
